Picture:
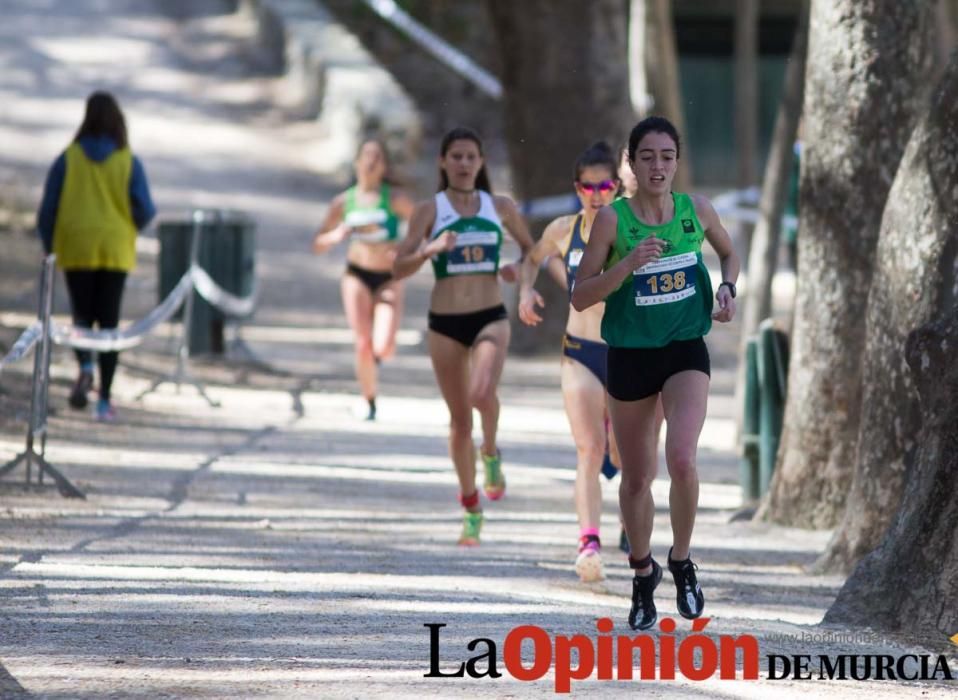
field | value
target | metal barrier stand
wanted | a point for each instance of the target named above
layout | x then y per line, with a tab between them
37	424
182	374
766	384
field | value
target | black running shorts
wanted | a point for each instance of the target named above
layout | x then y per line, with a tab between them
637	373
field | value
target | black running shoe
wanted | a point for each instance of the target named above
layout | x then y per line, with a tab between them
372	409
643	614
688	593
84	382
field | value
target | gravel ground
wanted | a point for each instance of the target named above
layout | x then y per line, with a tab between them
277	546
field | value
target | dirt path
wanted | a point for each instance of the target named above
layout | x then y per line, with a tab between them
277	546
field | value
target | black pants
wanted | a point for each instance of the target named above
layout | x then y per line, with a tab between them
95	297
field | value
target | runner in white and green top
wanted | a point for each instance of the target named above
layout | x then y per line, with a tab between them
460	230
368	215
644	259
478	238
376	223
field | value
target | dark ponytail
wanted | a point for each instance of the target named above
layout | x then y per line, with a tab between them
599	153
462	133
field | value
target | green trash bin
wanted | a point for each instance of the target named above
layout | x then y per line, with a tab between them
226	251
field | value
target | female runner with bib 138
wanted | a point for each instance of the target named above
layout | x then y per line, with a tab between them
644	259
460	231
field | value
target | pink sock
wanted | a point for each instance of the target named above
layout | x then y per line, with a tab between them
589	538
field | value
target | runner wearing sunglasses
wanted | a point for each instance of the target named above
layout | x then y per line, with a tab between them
583	365
460	230
644	260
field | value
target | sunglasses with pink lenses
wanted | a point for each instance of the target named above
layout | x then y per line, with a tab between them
604	187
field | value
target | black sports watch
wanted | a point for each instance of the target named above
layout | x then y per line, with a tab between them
731	287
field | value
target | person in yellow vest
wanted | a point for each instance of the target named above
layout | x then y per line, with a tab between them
95	200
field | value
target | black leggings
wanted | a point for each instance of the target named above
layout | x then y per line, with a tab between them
95	297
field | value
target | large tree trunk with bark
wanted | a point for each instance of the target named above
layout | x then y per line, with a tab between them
565	77
909	584
566	83
867	60
915	277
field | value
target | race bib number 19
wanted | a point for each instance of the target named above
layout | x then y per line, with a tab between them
666	280
475	251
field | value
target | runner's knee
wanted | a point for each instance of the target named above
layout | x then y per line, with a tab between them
386	350
364	347
636	483
483	396
681	463
460	425
591	453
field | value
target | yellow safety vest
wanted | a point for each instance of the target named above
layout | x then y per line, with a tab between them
94	228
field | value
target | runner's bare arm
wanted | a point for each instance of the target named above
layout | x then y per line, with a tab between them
592	285
402	204
515	224
415	249
332	231
721	242
546	246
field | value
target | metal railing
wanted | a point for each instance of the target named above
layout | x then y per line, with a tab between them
43	333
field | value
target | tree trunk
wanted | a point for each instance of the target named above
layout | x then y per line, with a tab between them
746	115
765	242
867	61
638	81
915	273
662	69
946	33
746	91
909	584
565	79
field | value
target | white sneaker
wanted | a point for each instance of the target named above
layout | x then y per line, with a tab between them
588	565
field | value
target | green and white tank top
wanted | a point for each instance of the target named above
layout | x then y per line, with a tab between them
478	238
667	299
371	224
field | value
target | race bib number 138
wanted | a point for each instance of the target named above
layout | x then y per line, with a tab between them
666	280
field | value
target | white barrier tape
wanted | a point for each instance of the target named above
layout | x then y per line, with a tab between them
24	344
115	340
749	197
228	303
740	205
550	207
452	57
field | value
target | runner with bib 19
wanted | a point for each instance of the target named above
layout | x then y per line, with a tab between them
460	230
